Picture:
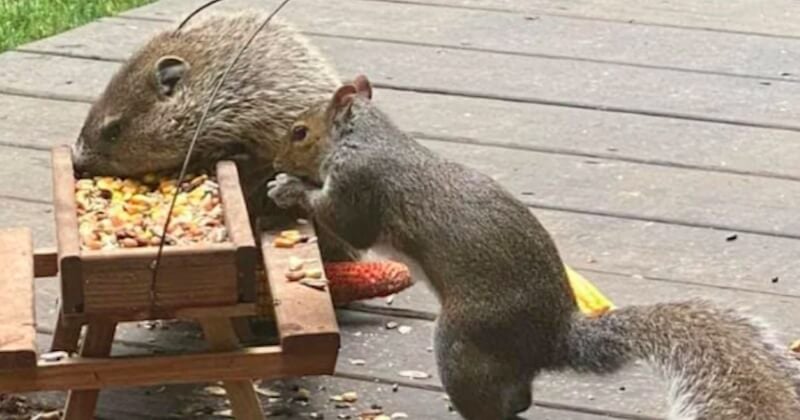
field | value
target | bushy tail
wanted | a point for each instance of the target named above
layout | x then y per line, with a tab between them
721	365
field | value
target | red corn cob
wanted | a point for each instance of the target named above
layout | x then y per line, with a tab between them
352	281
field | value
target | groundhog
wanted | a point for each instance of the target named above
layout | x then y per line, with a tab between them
145	119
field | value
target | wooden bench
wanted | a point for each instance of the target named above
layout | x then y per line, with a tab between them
17	316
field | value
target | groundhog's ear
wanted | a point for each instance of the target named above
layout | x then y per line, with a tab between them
169	71
363	86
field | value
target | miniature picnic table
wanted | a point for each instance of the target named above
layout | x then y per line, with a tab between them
212	285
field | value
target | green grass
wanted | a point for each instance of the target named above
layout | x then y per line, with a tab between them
24	21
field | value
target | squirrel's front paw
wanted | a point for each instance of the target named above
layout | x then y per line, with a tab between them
287	191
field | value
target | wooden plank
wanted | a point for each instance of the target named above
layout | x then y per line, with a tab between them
557	37
774	18
221	337
36	216
625	290
560	130
577	84
96	344
92	373
304	315
240	230
590	134
414	402
194	401
118	281
45	262
17	315
37	123
66	334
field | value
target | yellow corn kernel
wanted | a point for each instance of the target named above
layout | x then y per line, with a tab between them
590	301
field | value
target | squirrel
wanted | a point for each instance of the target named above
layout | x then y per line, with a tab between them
507	311
146	117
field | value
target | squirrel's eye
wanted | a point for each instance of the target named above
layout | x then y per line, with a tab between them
299	133
111	131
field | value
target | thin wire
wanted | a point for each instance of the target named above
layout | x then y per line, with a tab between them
194	13
156	263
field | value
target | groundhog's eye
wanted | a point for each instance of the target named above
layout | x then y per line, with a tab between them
111	131
299	133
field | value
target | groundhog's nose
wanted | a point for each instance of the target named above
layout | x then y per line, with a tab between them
78	162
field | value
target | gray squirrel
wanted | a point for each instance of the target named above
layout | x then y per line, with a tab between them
507	311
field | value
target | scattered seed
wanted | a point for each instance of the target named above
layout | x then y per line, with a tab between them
227	412
282	242
795	347
54	356
357	362
414	374
391	325
399	415
302	394
732	237
404	329
314	273
775	279
295	264
216	391
290	233
314	284
390	299
295	275
350	397
50	415
268	393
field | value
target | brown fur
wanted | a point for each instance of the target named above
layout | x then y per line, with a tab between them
277	77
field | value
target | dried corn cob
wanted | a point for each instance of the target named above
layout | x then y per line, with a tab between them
352	281
590	301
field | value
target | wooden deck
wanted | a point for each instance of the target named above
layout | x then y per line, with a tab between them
657	141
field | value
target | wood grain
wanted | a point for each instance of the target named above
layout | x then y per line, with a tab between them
240	231
17	315
67	238
304	315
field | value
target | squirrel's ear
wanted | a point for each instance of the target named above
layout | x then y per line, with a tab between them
169	71
363	86
343	97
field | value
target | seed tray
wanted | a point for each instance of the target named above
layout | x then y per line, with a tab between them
118	281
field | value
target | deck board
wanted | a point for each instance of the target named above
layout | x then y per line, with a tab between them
612	42
775	18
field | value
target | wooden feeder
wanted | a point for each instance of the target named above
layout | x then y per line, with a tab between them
213	284
108	282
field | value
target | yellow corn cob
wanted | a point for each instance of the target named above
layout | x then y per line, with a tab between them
590	301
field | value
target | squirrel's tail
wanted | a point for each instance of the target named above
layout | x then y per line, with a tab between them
721	365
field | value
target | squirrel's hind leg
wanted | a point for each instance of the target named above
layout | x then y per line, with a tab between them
480	386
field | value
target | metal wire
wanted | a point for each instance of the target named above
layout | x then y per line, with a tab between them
194	13
156	263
